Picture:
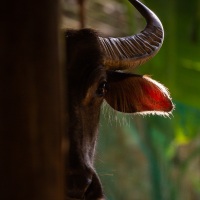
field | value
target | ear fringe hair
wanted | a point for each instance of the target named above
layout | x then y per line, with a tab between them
159	85
111	114
114	117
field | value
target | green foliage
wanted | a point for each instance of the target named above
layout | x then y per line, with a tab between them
156	158
178	62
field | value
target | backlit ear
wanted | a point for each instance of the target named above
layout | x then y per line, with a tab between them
132	93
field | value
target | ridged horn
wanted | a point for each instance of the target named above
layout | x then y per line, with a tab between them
124	53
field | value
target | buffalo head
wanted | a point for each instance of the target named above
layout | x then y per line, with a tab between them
98	69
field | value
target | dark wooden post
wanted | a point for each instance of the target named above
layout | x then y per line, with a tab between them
31	101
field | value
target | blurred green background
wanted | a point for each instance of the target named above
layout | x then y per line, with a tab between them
152	157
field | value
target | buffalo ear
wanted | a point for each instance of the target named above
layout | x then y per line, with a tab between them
132	93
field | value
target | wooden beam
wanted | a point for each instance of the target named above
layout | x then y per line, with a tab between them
31	101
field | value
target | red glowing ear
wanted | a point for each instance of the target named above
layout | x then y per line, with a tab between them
131	93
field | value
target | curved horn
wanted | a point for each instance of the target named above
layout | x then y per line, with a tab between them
128	52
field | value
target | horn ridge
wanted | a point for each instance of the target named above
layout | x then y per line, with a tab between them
129	52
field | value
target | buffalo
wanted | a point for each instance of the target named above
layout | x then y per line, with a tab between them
102	68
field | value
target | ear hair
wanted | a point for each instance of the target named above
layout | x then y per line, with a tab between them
132	93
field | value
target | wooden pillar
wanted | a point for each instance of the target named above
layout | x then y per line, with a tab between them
31	101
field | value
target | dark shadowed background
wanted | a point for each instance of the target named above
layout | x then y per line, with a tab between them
152	157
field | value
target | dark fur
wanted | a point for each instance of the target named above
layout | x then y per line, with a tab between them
126	92
85	73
